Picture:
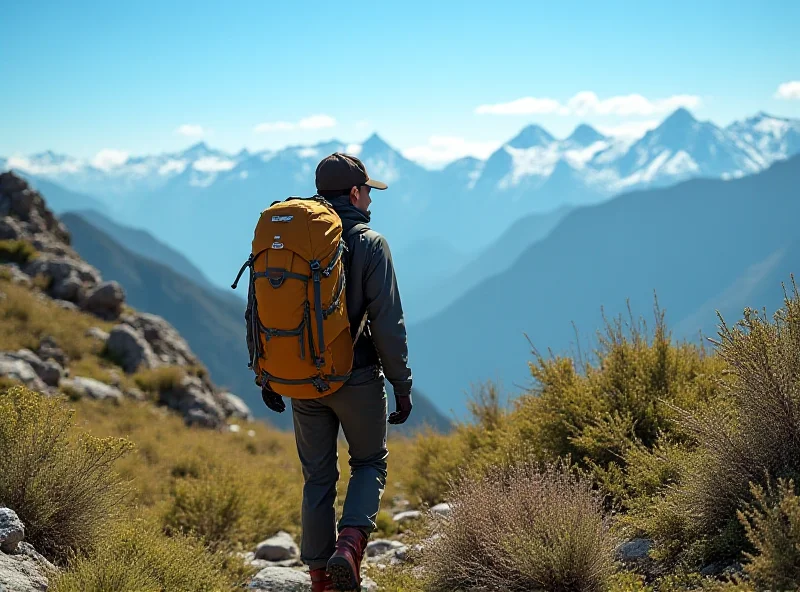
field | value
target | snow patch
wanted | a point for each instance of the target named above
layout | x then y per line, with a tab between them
172	167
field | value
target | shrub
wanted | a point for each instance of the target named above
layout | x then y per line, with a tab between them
61	484
135	557
595	412
225	505
16	251
772	524
523	528
756	440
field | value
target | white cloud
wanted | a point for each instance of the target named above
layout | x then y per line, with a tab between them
107	159
587	102
191	131
212	164
312	122
354	149
443	149
629	129
788	90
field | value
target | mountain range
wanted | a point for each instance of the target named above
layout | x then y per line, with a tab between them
697	246
204	202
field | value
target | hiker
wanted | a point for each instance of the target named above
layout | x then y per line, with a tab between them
334	551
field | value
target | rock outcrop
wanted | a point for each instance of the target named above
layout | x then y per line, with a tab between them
139	340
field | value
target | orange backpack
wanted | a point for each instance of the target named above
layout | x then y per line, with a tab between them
298	332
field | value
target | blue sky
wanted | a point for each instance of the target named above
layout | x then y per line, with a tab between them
436	79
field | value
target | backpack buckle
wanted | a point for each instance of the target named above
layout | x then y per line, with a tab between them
315	265
320	385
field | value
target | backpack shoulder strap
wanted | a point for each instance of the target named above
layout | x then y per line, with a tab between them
354	231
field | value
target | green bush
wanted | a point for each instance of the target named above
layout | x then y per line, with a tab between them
137	558
772	524
595	412
62	484
523	528
17	251
216	503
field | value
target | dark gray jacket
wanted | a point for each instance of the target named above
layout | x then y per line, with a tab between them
372	288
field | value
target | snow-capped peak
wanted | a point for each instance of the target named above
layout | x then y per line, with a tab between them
530	137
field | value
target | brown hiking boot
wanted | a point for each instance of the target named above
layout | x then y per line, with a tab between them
344	566
320	580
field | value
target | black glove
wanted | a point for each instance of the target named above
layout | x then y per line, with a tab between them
272	400
403	406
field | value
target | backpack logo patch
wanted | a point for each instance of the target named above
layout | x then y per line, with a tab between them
282	218
277	245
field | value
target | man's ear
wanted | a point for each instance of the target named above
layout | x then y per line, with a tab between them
354	195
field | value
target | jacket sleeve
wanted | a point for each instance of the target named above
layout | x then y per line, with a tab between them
385	314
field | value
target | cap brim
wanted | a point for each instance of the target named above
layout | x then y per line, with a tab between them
376	184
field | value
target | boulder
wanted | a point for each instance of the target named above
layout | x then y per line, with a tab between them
441	510
17	275
97	333
167	344
407	516
20	201
105	300
234	406
279	547
12	531
49	371
195	401
130	349
21	371
634	549
280	579
382	546
21	573
70	277
91	388
49	350
10	229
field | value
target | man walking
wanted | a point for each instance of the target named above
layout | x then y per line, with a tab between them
360	406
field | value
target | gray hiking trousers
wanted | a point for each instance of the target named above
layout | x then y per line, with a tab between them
360	408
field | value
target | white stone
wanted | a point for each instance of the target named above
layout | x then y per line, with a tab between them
280	579
279	547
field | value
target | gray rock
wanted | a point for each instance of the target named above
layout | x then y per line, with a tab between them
235	407
195	401
24	548
71	277
407	516
69	289
91	388
382	546
97	333
49	371
12	530
65	304
167	344
130	349
368	585
10	229
20	371
441	509
49	350
21	573
105	300
280	579
17	275
634	549
279	547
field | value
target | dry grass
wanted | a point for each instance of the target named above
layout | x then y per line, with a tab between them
526	528
61	483
16	251
25	320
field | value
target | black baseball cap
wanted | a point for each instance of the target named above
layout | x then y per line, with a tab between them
340	172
